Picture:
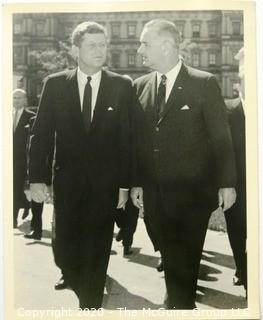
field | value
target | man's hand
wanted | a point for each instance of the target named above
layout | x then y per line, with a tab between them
39	192
226	198
137	197
123	198
28	195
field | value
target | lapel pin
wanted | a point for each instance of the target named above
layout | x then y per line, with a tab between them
110	109
180	88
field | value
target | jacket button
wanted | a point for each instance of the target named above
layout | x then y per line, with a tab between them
157	129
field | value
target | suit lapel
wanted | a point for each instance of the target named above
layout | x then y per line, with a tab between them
104	93
22	121
148	97
175	99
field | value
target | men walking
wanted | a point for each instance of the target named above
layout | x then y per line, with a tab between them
21	131
185	162
85	112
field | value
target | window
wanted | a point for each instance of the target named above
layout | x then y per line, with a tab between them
131	30
212	59
234	53
131	59
18	56
196	31
196	60
212	29
17	28
115	60
236	28
68	29
115	30
180	28
40	28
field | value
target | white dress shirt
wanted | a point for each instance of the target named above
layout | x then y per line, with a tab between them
16	116
171	77
95	84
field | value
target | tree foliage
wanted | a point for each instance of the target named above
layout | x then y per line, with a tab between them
51	60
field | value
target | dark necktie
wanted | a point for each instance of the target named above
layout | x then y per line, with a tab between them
86	109
161	96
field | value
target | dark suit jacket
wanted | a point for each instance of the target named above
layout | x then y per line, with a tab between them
102	156
20	139
189	147
237	126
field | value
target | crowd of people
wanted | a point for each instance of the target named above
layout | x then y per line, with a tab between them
107	149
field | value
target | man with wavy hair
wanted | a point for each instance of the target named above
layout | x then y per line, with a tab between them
85	112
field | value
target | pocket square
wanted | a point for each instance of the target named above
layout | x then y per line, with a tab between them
110	109
185	108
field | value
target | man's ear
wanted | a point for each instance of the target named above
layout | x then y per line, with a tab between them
167	47
75	51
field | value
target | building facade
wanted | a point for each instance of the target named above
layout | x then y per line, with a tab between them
211	39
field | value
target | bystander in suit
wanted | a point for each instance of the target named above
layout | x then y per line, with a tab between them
21	128
236	216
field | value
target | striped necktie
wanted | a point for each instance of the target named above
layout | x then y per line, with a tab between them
161	96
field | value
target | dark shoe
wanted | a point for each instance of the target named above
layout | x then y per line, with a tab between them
238	281
127	250
33	235
25	213
61	284
160	265
119	236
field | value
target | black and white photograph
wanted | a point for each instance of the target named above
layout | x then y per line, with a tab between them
132	178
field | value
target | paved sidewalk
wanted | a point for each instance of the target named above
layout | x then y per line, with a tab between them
132	282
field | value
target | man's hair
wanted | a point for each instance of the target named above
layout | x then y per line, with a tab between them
21	91
165	27
86	27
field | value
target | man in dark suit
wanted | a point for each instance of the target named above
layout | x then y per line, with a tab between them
86	110
185	162
36	208
21	127
236	215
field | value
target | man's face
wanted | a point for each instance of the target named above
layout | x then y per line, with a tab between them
19	100
92	51
151	49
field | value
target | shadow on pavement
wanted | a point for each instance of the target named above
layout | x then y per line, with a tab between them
220	300
119	297
219	258
39	242
206	272
143	259
25	226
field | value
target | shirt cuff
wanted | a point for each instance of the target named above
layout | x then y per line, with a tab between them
124	189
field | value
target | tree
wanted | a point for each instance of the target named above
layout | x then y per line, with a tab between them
50	60
186	48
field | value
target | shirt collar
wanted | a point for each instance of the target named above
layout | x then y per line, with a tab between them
172	74
19	111
83	76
